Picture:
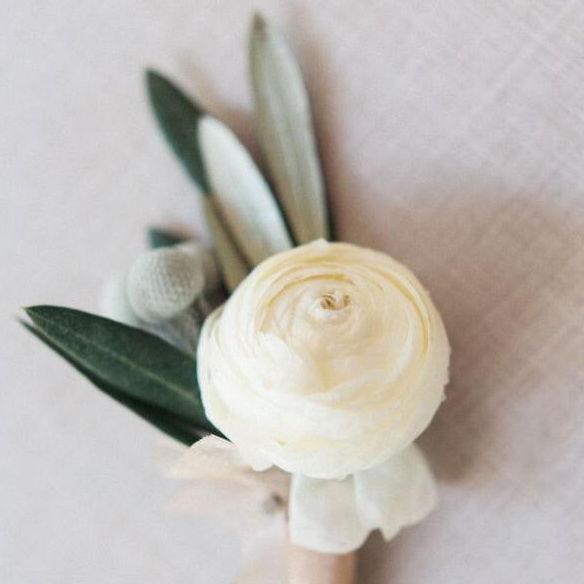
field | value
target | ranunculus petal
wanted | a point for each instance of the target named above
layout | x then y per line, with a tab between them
323	515
331	516
397	493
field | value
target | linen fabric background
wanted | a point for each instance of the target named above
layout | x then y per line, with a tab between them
452	135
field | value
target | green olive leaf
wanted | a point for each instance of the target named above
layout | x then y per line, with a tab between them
286	135
178	116
129	362
158	237
245	203
233	266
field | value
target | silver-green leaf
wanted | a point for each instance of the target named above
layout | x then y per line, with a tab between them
284	123
244	200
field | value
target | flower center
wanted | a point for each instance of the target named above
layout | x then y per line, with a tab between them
334	300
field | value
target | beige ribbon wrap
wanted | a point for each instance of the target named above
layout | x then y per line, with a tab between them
272	509
217	473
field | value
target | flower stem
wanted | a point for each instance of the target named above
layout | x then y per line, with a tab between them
308	567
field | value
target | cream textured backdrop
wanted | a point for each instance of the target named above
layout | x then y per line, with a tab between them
452	134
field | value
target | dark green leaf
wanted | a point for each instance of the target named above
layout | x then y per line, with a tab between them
137	364
178	117
158	237
171	425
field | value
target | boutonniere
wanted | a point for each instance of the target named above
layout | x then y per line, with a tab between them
283	359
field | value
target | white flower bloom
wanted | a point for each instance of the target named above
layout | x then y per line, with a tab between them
327	360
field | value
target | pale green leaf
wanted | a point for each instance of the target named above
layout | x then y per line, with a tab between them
244	201
284	123
233	267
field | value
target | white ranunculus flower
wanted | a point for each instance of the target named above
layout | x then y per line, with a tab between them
327	360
